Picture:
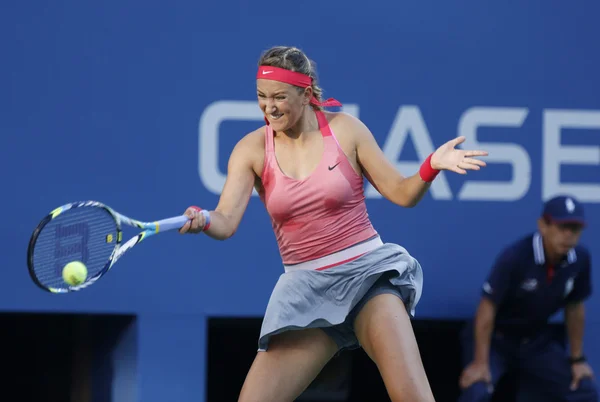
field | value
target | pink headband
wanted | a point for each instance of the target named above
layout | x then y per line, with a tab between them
292	78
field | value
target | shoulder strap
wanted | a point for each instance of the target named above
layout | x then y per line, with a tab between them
269	139
323	123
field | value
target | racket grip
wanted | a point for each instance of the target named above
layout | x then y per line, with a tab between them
174	223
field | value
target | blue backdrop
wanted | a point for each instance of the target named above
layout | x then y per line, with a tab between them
138	104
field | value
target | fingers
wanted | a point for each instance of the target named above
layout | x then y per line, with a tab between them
469	378
185	228
473	161
458	140
469	164
464	160
574	383
197	220
476	153
196	223
465	380
459	169
579	374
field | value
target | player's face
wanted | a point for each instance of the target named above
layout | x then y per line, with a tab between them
560	237
281	103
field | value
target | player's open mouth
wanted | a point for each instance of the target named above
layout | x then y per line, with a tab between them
275	116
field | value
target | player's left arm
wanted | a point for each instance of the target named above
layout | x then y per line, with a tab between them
402	190
575	309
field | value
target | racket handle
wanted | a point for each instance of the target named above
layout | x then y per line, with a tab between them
174	223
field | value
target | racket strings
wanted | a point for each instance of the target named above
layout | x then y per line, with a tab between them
86	234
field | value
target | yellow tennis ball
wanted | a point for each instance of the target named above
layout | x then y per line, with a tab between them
74	273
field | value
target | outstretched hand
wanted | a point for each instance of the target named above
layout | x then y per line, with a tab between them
447	157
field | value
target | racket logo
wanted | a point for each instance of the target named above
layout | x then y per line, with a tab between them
71	240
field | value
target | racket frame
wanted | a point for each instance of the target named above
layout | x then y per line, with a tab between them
148	229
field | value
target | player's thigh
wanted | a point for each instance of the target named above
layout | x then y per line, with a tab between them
287	368
385	332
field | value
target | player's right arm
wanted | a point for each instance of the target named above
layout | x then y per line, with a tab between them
241	168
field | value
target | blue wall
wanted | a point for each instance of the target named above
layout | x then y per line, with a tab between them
138	104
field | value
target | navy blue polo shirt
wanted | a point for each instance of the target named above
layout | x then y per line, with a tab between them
527	292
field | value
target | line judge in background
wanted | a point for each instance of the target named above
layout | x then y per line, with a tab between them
532	279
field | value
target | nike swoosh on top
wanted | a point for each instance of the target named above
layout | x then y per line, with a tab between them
333	167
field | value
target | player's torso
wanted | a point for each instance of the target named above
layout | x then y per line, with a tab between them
313	194
317	169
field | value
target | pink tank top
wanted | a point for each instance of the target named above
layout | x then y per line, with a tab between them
321	214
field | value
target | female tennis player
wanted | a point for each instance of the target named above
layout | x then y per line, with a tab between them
343	287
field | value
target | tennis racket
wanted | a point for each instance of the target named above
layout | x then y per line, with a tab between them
89	232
